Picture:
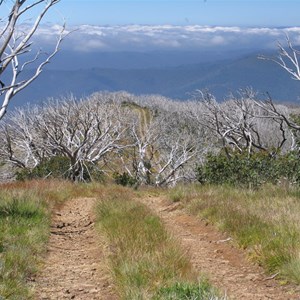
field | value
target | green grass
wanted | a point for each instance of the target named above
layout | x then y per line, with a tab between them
146	262
25	211
24	223
265	222
184	290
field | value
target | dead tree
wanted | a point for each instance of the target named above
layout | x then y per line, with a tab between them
21	144
164	142
143	134
16	41
287	58
178	146
82	131
288	120
243	125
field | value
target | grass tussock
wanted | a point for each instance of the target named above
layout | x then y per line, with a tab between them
146	261
24	223
25	211
184	290
265	222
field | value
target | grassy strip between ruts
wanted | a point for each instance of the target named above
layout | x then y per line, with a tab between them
266	221
25	211
146	262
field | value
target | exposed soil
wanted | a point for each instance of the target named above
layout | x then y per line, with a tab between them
74	267
215	255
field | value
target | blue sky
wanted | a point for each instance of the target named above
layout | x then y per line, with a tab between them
180	12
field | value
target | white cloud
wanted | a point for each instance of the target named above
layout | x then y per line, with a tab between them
167	43
91	30
90	45
218	40
193	37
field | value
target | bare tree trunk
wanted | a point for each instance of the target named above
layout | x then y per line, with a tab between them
14	45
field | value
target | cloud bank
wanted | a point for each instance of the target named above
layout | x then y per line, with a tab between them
88	38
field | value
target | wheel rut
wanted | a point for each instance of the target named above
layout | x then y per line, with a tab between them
76	260
215	255
74	266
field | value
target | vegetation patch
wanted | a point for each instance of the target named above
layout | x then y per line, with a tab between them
124	179
250	171
24	225
25	210
59	167
265	222
146	261
184	290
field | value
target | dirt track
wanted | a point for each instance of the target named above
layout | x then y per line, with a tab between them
213	254
74	266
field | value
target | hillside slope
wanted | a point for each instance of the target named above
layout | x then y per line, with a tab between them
179	82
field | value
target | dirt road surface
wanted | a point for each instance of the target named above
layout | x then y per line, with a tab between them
74	267
215	255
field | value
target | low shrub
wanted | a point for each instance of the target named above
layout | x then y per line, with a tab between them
124	179
252	171
59	167
54	167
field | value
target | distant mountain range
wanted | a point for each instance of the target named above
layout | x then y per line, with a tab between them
220	77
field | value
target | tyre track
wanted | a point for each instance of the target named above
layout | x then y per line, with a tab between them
213	254
75	265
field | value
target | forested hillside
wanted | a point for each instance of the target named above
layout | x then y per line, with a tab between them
221	77
153	140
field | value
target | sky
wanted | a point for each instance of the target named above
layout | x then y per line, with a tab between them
180	12
143	25
145	38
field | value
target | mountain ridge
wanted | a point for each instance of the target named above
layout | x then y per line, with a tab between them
178	82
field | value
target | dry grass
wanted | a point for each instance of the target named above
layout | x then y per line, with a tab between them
146	261
25	211
265	222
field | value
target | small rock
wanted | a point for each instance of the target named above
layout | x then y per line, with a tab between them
251	277
218	251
